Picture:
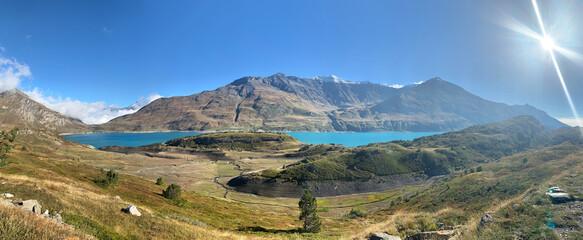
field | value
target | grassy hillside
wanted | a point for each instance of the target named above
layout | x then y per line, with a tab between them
511	189
431	155
45	167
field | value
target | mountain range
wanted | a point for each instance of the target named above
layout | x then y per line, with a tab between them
329	103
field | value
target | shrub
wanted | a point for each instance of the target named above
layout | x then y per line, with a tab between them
172	192
356	213
479	169
160	181
107	178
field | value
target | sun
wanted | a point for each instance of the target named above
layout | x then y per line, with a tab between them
547	43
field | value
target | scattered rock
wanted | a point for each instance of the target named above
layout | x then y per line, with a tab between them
485	220
7	195
383	236
433	235
133	210
57	217
35	207
117	198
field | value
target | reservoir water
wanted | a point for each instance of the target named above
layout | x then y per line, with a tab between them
345	138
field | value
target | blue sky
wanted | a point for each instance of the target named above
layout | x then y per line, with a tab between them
118	51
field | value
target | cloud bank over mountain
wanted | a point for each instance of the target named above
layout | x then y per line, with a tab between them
12	73
89	113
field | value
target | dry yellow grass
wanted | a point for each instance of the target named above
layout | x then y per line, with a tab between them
20	224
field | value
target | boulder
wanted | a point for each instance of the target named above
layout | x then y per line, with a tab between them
7	195
133	210
485	220
560	197
31	205
383	236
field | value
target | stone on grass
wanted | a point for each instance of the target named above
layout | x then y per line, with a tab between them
485	220
57	217
383	236
31	205
133	210
561	197
7	195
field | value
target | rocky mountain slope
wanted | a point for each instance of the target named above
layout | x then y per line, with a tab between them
281	102
18	110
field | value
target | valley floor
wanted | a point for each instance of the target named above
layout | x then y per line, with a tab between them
61	176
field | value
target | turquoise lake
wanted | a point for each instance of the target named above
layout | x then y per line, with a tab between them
347	139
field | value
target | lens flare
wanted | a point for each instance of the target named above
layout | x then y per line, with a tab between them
549	44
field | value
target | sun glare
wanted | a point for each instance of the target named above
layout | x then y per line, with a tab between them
548	43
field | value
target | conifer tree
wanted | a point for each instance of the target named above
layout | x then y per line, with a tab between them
308	206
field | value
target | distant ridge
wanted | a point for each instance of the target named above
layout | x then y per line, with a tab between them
18	110
328	103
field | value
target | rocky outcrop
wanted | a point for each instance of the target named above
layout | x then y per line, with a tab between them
273	187
32	206
383	236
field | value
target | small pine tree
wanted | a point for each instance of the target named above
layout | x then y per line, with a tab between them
308	206
479	169
111	177
106	178
172	192
160	181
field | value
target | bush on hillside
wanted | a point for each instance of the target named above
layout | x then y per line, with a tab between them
160	181
172	192
107	178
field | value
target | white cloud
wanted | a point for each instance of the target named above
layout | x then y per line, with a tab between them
397	86
89	113
420	82
11	73
572	121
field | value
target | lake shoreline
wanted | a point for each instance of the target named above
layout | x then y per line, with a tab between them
349	139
